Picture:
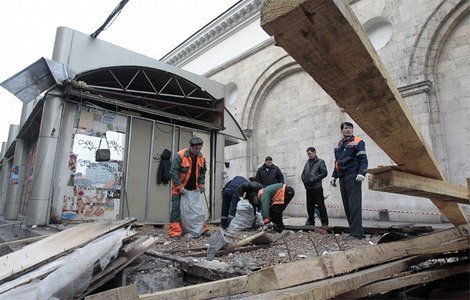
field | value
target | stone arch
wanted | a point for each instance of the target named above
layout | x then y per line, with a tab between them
436	29
278	70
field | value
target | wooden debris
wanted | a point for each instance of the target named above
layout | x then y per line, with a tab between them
24	241
327	40
333	264
259	238
21	261
405	281
118	265
209	290
394	181
329	288
128	292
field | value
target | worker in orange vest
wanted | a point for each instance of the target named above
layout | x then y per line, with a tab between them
273	200
188	172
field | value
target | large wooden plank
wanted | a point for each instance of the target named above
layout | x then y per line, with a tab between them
55	245
327	40
300	272
208	290
329	288
394	181
404	281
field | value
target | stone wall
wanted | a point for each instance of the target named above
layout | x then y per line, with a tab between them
283	110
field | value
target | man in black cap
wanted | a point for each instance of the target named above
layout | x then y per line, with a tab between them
188	172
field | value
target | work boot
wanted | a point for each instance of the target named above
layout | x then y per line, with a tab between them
308	223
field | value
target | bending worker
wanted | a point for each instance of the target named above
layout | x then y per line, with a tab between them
230	200
273	200
188	172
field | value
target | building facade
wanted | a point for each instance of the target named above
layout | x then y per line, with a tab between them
424	44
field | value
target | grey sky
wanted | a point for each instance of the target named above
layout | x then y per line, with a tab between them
149	27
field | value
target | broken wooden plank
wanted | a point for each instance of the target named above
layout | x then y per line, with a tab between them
260	236
329	288
333	264
394	181
225	252
208	290
117	265
128	292
452	246
55	245
24	241
193	267
328	41
405	281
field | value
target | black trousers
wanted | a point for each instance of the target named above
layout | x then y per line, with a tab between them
351	194
229	207
275	212
315	199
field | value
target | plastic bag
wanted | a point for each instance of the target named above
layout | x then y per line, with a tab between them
259	219
244	217
192	213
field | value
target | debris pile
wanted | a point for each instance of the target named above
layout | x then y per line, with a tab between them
71	263
350	274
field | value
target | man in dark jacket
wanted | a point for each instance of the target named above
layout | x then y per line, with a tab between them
230	200
269	173
249	189
312	176
350	168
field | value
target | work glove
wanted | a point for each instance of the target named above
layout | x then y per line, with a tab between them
202	190
183	191
333	182
360	178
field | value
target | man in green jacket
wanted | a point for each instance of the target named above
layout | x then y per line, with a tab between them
273	200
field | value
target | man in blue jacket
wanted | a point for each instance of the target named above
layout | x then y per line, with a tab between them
230	200
350	166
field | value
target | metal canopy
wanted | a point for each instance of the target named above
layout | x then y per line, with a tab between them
149	91
37	78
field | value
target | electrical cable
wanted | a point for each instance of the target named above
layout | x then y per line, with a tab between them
114	14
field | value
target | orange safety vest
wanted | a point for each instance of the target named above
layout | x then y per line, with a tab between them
186	162
279	196
354	142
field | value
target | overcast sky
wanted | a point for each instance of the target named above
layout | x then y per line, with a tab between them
149	27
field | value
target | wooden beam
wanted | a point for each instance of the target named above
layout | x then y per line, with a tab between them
404	281
397	182
443	194
208	290
333	264
327	40
329	288
23	241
